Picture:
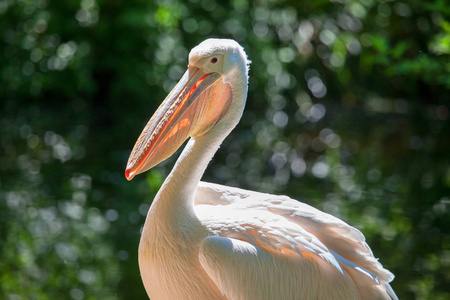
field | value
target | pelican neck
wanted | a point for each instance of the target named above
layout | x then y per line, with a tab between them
177	193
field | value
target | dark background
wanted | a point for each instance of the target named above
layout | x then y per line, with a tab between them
348	110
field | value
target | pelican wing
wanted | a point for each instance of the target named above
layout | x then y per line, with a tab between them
280	240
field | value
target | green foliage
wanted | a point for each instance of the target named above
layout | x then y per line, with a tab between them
348	110
51	247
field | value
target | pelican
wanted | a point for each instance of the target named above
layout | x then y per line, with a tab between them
205	241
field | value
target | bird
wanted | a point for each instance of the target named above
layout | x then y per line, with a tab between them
208	241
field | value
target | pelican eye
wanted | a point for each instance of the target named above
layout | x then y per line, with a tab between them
213	60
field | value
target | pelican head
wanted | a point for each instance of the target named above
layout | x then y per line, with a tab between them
210	95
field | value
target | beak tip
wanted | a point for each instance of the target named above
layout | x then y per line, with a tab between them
128	174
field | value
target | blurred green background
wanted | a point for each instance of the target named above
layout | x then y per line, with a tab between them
348	110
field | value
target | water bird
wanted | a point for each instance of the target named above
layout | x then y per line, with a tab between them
206	241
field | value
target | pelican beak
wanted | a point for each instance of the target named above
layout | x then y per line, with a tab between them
194	105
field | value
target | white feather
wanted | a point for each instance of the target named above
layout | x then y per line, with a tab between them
283	228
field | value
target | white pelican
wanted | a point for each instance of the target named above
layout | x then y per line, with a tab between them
204	241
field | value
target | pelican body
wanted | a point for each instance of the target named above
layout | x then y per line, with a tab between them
203	241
